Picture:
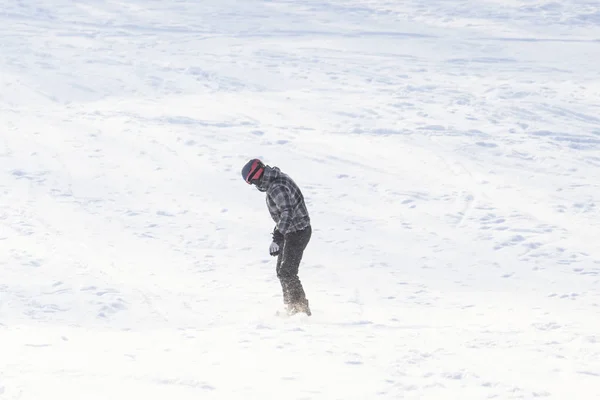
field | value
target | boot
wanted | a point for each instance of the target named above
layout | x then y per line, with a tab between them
299	307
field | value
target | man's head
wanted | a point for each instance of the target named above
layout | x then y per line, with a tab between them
253	173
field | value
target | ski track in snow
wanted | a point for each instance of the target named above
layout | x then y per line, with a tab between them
448	151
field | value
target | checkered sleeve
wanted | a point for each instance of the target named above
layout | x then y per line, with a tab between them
285	208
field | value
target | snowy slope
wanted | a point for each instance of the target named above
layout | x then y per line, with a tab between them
449	152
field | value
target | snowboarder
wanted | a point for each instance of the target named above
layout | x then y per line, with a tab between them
292	230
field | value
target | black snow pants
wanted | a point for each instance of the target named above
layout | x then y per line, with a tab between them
288	263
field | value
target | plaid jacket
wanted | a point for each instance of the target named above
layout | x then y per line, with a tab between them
285	201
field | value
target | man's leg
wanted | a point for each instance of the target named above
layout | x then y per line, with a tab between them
288	265
284	285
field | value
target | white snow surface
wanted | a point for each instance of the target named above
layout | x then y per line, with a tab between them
449	153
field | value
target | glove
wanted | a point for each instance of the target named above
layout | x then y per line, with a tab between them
278	237
274	249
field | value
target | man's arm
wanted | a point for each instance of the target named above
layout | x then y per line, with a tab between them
283	201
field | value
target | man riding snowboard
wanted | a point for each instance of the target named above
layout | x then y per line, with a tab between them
292	231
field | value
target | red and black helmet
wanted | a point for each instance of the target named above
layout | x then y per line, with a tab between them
253	171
